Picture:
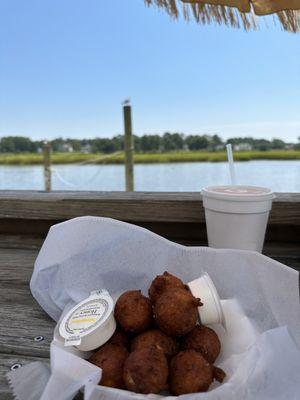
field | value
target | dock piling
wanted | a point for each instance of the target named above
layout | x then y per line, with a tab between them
47	166
128	148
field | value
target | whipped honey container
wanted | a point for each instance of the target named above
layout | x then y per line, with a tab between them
90	323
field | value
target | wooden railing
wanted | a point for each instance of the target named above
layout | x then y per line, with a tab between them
131	206
176	216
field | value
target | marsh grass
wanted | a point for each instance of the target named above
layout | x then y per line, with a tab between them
148	158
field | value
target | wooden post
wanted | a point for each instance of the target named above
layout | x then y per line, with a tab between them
47	166
129	148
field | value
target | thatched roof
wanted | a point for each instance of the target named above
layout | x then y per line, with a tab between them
236	13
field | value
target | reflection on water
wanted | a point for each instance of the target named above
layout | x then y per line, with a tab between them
281	176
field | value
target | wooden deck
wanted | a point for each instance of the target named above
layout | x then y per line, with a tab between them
25	218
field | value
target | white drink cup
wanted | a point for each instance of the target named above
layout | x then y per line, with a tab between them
236	216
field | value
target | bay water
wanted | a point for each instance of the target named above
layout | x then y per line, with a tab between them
281	176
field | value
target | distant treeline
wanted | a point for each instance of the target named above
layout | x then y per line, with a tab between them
144	144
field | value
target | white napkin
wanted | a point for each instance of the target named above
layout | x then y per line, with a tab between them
88	253
70	373
29	381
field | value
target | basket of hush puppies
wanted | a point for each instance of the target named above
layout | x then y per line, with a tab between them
160	344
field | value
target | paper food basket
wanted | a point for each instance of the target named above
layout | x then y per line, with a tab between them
260	350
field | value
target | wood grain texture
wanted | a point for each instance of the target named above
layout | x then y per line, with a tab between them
136	206
16	266
18	336
23	318
21	242
26	321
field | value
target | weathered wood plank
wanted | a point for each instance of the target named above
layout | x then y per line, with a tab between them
17	336
12	293
124	206
26	319
137	206
29	234
27	227
21	242
281	249
16	265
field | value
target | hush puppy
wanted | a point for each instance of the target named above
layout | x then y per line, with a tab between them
110	358
133	312
189	373
175	311
119	338
146	371
219	374
205	340
157	340
162	283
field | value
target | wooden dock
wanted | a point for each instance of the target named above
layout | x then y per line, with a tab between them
25	217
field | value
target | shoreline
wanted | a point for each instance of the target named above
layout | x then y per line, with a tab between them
148	158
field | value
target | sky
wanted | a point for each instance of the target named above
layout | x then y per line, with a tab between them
67	65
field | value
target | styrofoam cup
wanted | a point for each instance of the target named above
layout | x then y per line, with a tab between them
236	216
211	311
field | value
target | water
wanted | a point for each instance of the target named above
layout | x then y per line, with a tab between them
281	176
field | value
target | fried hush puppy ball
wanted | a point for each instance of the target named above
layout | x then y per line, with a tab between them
119	338
157	340
146	371
162	283
205	340
175	311
111	358
190	373
133	312
219	374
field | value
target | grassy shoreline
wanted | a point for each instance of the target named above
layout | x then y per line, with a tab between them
148	158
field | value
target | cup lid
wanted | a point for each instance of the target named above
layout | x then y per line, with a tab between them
86	318
238	192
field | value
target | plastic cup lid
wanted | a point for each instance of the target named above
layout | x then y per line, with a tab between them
238	192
